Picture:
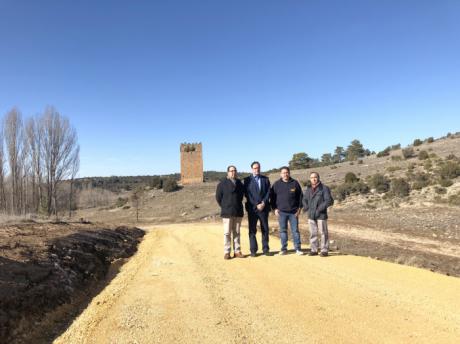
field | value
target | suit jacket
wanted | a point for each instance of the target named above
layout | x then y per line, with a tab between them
255	195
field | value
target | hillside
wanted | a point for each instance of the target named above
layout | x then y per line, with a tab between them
416	229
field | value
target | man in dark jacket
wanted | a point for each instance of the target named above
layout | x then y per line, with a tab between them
286	200
316	200
257	188
229	196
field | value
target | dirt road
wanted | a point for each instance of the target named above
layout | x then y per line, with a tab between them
178	289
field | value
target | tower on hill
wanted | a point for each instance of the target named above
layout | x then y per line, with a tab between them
191	163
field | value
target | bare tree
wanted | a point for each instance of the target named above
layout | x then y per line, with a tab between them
13	132
60	150
3	206
75	168
34	133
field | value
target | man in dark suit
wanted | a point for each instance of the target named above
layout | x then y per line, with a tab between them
257	191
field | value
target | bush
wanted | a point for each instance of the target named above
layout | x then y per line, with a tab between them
423	155
383	153
380	183
360	187
455	199
445	182
121	201
440	190
417	142
410	167
156	182
342	191
395	147
420	180
428	165
360	162
170	185
400	187
350	177
396	157
393	168
430	139
449	169
451	157
408	153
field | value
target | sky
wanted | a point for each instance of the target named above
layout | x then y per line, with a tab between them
251	80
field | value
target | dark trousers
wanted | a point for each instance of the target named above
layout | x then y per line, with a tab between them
253	217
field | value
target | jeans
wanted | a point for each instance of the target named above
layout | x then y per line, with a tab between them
294	221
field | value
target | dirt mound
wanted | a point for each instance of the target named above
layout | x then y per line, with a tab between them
46	266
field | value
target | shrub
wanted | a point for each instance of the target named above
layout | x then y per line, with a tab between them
395	147
360	161
417	142
451	157
455	199
449	169
169	185
445	182
383	153
396	157
156	182
408	153
440	190
380	183
341	192
393	168
121	201
360	187
350	177
400	187
428	165
420	180
423	155
430	139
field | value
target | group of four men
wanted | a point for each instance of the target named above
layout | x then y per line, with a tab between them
284	197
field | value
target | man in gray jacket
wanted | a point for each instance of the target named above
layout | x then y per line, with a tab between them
316	200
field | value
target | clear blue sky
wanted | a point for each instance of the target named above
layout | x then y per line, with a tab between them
249	79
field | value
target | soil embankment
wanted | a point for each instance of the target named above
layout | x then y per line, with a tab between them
49	270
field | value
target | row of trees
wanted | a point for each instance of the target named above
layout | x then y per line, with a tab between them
353	152
36	156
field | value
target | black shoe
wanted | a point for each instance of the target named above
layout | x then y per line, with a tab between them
267	253
324	254
253	254
313	253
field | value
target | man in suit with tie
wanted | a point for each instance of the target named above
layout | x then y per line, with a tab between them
257	191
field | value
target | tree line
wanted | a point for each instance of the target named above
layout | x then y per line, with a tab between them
37	155
353	152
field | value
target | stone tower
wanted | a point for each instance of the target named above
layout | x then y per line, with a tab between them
191	163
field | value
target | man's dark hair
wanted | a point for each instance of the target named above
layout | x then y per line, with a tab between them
255	162
230	166
317	174
285	168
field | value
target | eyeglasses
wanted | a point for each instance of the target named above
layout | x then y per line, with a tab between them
231	170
